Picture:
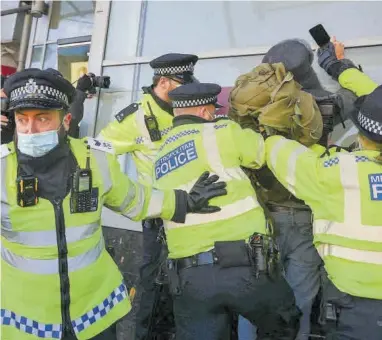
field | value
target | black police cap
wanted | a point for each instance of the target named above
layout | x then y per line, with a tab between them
368	117
41	89
195	94
175	65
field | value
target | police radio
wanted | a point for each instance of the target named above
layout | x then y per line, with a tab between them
152	126
81	197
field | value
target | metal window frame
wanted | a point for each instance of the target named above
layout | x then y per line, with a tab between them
242	52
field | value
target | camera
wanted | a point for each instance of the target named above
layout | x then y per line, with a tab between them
102	82
4	111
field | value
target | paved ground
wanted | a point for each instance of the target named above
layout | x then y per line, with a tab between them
127	246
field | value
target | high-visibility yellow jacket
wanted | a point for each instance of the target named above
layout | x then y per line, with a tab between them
131	135
344	191
35	273
220	147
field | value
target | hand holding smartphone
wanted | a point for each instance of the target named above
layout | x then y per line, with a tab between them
319	34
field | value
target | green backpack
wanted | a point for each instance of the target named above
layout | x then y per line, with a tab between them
269	99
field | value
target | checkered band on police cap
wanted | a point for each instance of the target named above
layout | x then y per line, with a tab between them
369	124
194	102
173	70
33	91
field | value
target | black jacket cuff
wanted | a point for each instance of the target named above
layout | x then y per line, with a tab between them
337	68
180	206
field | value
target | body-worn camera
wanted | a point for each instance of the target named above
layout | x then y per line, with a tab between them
102	82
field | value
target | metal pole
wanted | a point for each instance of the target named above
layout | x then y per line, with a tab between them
20	9
24	41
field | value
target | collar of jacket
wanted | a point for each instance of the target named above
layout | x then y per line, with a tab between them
190	119
161	103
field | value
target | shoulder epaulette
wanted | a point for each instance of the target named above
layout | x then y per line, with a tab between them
127	111
100	145
6	150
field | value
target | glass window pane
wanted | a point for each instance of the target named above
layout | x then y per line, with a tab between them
73	61
221	25
50	60
117	97
36	57
71	19
123	30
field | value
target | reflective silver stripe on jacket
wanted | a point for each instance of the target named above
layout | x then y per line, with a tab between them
156	203
103	164
354	255
48	237
352	226
5	220
35	266
128	198
137	208
228	211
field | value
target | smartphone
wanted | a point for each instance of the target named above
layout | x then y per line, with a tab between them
319	34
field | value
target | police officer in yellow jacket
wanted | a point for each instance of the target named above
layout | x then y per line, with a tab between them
140	129
57	279
344	191
217	262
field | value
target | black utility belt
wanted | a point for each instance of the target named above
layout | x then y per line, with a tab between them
227	254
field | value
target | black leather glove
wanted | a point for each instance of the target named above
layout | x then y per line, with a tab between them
327	59
84	83
203	190
196	201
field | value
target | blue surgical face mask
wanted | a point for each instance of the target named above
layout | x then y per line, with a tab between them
37	144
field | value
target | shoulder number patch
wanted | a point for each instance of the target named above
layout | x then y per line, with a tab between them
175	159
121	115
375	182
5	151
100	145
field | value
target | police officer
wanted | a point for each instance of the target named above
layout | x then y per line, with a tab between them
140	129
216	262
344	191
58	281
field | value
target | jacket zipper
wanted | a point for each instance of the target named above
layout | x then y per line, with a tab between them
63	270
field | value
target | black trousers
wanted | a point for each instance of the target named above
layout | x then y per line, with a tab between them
152	261
358	318
108	334
210	293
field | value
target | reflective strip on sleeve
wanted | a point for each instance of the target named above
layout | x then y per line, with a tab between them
135	210
226	212
156	203
291	175
260	152
103	165
275	151
128	198
37	266
352	226
365	256
48	237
